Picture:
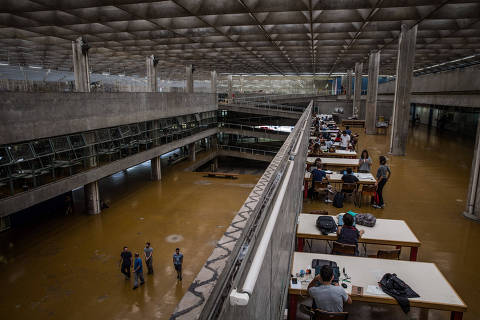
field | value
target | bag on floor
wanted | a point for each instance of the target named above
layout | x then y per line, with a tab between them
338	200
326	224
365	219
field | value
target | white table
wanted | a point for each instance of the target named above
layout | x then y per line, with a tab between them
385	232
424	278
336	162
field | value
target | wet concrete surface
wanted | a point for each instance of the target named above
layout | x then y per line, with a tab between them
428	190
67	267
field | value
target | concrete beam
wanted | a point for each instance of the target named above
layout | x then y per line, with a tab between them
213	82
358	89
371	104
401	103
27	116
29	198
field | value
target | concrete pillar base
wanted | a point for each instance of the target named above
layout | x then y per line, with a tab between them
156	166
92	198
192	156
471	216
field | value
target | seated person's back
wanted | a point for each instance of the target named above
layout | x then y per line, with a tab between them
318	174
347	233
349	177
326	296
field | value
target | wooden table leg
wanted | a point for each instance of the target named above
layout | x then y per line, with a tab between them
300	244
305	190
292	307
413	253
456	315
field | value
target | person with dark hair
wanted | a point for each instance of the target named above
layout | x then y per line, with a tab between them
365	162
148	252
177	263
347	130
349	177
347	233
345	140
383	175
138	270
326	296
126	262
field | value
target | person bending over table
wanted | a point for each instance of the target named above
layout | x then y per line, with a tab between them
326	296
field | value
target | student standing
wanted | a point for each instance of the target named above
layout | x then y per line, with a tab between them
177	263
365	162
383	174
126	262
138	270
148	252
345	140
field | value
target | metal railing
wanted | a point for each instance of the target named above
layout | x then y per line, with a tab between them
268	105
243	127
247	150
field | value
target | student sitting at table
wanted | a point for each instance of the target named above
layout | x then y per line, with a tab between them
328	144
326	296
348	131
349	177
316	149
347	233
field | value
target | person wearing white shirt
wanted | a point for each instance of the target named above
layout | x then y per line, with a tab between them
345	140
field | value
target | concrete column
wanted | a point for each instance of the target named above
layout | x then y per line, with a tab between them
213	81
214	142
192	156
189	84
230	86
349	84
156	166
151	73
80	65
473	196
371	104
92	198
403	86
357	95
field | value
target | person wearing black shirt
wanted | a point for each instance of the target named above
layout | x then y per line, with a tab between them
349	177
126	262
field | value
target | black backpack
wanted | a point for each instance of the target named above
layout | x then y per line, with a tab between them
326	224
338	200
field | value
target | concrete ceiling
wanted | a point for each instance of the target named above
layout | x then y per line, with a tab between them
235	36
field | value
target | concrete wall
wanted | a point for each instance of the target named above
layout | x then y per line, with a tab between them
28	116
29	198
459	87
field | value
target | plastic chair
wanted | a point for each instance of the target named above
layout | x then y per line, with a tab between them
343	249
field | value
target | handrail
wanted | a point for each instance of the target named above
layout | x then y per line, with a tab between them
242	297
246	150
251	128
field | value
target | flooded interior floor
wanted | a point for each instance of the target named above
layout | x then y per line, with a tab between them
428	190
67	267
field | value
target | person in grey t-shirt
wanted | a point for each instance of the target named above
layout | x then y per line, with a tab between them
326	296
365	162
148	252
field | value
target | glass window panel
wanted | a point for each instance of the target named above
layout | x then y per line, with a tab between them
60	144
125	131
77	140
102	135
42	147
21	152
4	156
115	133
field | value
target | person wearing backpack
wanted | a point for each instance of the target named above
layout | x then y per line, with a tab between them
383	175
347	233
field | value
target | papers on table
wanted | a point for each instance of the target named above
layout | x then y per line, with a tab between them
376	290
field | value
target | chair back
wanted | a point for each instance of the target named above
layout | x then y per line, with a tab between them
343	249
325	315
370	189
349	187
321	184
389	254
319	212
